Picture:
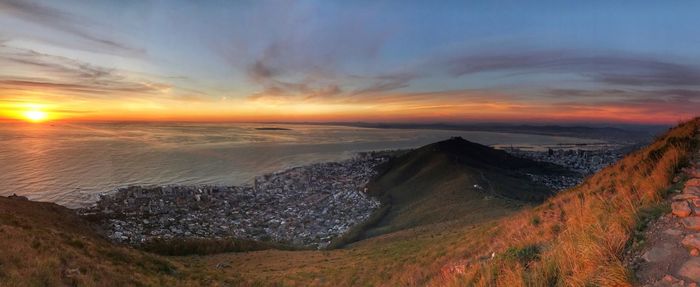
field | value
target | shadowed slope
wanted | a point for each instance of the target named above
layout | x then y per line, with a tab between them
455	179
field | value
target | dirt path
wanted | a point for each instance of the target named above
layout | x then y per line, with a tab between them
672	248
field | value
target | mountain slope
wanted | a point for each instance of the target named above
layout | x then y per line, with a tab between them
44	244
576	238
455	179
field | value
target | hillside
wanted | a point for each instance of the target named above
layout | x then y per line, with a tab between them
44	244
576	238
455	179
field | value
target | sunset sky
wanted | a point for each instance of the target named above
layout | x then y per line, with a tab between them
393	61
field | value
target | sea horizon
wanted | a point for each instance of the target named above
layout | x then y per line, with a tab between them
71	164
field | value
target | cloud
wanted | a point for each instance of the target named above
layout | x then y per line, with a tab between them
296	92
311	86
578	93
614	72
55	65
278	89
592	95
613	69
385	83
99	88
28	70
652	104
260	72
63	21
300	51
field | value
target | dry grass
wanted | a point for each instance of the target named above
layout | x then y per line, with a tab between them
583	232
43	244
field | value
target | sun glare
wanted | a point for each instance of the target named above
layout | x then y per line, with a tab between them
35	116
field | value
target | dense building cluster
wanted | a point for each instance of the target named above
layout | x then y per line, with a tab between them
303	206
582	162
557	182
585	162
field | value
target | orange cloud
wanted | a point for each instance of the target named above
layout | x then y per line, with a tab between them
468	106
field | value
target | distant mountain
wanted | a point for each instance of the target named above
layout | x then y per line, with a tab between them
624	134
455	179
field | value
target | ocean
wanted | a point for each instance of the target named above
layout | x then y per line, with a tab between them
71	163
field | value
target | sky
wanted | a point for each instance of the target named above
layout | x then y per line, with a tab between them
372	61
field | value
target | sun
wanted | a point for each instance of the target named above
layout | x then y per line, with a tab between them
35	116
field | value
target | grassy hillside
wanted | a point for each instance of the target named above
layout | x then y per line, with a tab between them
581	234
576	238
436	183
43	244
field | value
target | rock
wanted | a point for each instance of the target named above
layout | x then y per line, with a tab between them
676	179
669	278
691	269
692	182
681	208
692	223
71	272
691	241
694	173
17	197
694	190
685	196
673	232
658	254
669	281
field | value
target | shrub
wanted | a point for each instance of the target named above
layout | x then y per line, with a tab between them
524	255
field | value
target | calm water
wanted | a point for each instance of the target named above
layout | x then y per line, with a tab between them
71	163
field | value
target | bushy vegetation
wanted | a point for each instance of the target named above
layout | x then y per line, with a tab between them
524	255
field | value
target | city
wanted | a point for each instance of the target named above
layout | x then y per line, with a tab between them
304	206
307	206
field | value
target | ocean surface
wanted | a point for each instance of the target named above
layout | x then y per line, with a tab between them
71	164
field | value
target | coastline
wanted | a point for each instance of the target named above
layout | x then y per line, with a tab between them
317	206
302	207
109	157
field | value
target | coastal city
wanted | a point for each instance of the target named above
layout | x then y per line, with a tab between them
581	162
304	206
